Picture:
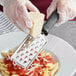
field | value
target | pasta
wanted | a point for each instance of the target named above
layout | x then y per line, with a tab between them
43	65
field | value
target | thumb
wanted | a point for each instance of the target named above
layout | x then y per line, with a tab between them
62	19
31	7
51	8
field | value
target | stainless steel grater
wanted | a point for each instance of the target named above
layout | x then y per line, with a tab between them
30	47
28	50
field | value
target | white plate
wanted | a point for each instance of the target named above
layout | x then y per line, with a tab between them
65	52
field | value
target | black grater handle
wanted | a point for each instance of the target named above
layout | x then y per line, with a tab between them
48	25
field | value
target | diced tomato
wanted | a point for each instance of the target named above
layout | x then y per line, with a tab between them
39	68
35	74
40	58
7	61
30	73
29	67
39	55
39	74
51	60
21	72
48	57
36	61
36	70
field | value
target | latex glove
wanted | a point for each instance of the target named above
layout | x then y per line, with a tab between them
17	12
65	8
1	2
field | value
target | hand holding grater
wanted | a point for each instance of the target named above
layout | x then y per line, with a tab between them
30	47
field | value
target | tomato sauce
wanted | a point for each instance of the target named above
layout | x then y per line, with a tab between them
23	72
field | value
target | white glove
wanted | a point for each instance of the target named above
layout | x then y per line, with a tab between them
1	2
17	12
65	8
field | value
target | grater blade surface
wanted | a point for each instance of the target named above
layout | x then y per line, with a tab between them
28	50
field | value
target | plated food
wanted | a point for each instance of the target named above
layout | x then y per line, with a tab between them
43	65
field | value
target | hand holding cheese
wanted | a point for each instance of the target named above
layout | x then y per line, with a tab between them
66	10
17	12
37	20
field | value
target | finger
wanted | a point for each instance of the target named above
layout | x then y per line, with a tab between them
19	20
18	24
65	15
51	8
62	18
23	11
71	14
31	7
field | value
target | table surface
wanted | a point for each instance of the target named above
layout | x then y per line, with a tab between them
67	32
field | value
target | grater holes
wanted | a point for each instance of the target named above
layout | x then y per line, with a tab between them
25	61
21	59
17	57
30	54
25	56
32	49
30	59
18	51
36	47
22	54
35	52
27	51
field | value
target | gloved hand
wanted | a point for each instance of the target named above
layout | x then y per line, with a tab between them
17	12
65	8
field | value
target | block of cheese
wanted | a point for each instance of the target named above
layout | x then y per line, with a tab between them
38	20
